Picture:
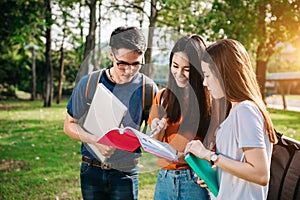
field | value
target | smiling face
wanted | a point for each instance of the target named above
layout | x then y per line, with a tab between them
180	69
211	82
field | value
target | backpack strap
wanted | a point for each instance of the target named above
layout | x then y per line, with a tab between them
161	96
93	80
148	96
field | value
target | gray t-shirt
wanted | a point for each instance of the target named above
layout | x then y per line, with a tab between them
244	127
130	94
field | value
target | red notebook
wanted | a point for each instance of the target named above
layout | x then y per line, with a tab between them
129	139
122	139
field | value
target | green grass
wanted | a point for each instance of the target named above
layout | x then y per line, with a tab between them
286	122
38	161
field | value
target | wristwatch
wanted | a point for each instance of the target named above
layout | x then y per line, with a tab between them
213	158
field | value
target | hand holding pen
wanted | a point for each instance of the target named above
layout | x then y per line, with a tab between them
157	126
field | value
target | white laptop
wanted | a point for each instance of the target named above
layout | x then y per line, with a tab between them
106	112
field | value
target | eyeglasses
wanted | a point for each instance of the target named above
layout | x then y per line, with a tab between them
125	65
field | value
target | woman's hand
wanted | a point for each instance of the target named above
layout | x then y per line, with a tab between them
158	125
202	184
197	148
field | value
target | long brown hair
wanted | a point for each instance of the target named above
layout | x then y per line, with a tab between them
197	116
233	63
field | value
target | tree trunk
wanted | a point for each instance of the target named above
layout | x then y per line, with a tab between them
61	74
33	72
148	54
282	92
261	69
49	69
61	66
90	39
80	25
261	63
98	54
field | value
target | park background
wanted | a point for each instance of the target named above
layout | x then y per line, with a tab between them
44	44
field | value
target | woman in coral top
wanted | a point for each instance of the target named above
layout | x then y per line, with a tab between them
180	114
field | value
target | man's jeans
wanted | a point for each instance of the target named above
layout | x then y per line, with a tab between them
97	183
178	185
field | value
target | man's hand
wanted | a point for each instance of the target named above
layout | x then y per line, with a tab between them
106	151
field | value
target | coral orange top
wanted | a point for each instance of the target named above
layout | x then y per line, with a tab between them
177	140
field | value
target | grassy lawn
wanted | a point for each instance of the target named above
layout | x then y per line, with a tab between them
38	161
286	122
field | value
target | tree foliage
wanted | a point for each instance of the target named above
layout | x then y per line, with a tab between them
264	27
259	25
21	30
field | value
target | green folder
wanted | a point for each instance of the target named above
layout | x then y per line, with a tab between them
205	172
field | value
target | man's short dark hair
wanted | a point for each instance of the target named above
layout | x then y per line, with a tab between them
129	38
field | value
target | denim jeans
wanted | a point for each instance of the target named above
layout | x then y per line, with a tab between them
97	183
178	185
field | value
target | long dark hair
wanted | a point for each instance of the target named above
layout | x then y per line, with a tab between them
197	116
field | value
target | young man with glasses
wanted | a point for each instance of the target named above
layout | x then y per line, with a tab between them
117	177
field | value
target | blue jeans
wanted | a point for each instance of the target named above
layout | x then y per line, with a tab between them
97	183
178	185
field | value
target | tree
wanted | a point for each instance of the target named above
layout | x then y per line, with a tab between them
90	38
49	68
259	25
22	26
65	8
98	53
281	25
33	49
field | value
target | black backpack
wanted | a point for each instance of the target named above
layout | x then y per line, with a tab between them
148	93
285	170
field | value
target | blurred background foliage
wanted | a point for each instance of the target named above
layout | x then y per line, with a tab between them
74	29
